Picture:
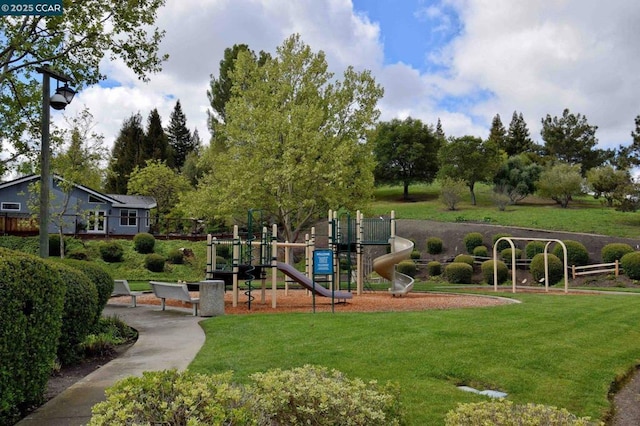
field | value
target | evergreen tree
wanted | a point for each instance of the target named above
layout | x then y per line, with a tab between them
629	156
518	140
179	137
440	133
156	143
126	155
498	134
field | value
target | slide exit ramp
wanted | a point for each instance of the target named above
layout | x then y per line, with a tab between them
385	266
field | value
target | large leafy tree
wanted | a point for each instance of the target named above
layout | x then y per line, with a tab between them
293	141
74	44
613	185
126	154
561	182
158	180
469	159
571	139
517	178
406	152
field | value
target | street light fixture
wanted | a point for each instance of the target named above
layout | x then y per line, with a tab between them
62	98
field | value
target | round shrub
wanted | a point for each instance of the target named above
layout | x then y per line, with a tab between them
221	262
614	251
506	413
415	254
434	268
464	258
111	251
556	268
434	245
577	253
99	277
472	240
481	251
154	262
144	242
506	255
487	271
176	257
630	263
32	294
504	244
532	248
458	273
80	311
78	255
407	267
172	397
311	395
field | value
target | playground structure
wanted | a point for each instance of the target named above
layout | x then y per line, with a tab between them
252	256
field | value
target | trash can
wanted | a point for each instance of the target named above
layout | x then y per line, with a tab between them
211	298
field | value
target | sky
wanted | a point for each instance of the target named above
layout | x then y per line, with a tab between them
460	61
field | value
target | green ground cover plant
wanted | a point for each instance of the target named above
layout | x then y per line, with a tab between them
555	350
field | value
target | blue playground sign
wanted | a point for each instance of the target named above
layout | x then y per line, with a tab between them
323	262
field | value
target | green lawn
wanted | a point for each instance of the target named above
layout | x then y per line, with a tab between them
551	349
585	214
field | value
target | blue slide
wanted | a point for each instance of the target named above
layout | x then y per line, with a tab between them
307	283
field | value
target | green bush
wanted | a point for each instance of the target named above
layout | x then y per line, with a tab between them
434	245
78	255
311	395
54	245
434	268
415	254
556	268
99	277
172	398
154	262
107	334
630	263
504	244
111	251
32	295
80	312
176	257
144	242
221	262
487	271
481	251
472	240
506	413
458	273
577	253
614	251
407	267
30	245
506	255
224	250
534	247
464	258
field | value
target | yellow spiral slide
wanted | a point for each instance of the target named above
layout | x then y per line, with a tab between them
385	265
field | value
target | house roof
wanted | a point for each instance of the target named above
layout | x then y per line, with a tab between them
119	201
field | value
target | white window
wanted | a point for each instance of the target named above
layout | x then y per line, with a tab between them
7	206
128	217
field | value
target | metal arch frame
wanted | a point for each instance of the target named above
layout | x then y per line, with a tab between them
513	261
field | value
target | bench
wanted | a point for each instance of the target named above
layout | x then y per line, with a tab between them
121	288
174	291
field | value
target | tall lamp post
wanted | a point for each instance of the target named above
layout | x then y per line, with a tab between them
59	100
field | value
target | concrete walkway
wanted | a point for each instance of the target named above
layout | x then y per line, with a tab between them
167	339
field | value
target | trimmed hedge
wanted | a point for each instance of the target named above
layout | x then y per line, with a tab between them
630	263
533	248
434	245
80	312
31	306
100	278
464	258
481	251
504	244
614	251
144	243
506	413
434	268
415	254
577	253
176	257
154	262
458	273
407	267
472	240
556	268
487	271
506	255
111	251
